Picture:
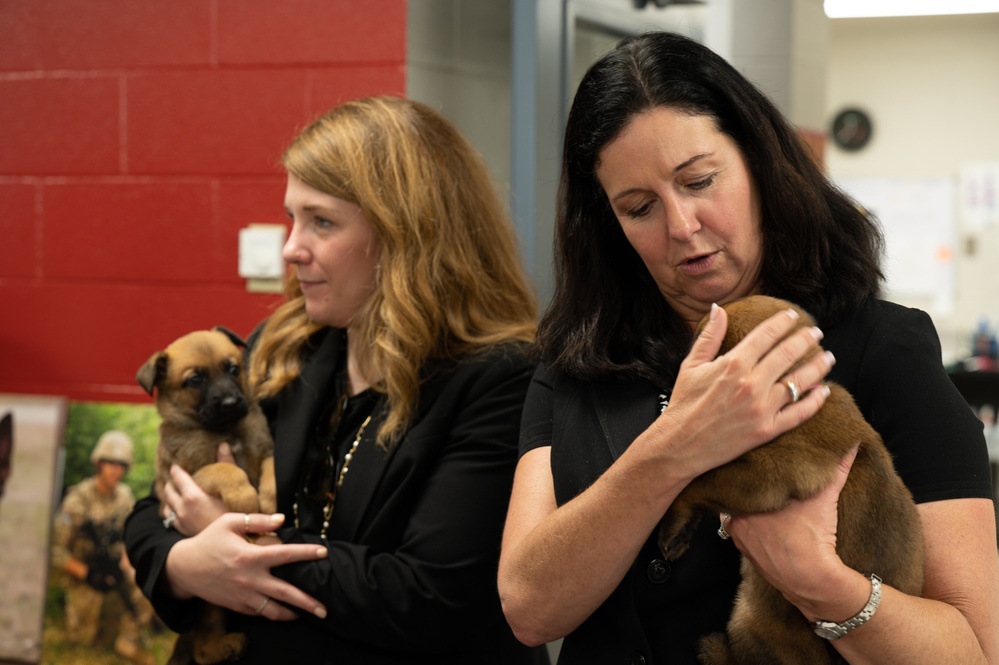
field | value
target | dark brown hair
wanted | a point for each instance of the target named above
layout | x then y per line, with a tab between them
607	318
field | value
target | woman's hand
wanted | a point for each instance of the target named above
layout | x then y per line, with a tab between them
794	548
194	509
725	405
222	567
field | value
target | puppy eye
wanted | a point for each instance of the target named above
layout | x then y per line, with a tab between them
233	369
194	381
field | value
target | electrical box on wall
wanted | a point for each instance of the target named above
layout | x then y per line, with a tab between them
260	262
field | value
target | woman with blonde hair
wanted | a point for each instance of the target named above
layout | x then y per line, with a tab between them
399	357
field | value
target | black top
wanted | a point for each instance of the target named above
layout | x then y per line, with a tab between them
340	424
414	538
887	356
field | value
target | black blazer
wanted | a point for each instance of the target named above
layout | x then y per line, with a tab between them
414	539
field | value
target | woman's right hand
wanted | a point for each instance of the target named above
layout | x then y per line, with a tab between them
725	405
192	508
220	566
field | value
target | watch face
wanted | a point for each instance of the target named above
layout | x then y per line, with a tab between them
851	129
829	631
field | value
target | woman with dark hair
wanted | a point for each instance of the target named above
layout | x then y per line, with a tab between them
400	355
683	188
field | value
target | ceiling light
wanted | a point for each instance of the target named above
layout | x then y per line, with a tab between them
871	8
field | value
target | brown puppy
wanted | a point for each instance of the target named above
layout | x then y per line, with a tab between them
203	398
878	530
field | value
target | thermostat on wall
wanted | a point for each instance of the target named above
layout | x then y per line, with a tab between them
260	259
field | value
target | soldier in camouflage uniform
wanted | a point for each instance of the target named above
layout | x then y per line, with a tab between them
89	551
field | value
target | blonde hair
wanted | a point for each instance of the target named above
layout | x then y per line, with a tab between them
449	279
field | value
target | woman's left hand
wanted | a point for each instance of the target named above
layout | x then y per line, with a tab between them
794	548
220	566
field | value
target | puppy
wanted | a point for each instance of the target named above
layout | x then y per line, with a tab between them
878	530
203	398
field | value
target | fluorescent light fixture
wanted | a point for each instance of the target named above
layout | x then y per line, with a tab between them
870	8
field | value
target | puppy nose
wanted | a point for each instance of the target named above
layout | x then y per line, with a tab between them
229	401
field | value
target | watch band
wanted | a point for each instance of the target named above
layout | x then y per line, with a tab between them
833	631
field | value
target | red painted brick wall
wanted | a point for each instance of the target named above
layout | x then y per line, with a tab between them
136	139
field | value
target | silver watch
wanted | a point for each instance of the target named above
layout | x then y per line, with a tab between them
833	631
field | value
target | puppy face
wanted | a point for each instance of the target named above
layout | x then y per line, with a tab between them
198	380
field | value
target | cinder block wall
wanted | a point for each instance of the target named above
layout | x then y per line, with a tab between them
136	139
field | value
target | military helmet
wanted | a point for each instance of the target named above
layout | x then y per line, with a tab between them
115	446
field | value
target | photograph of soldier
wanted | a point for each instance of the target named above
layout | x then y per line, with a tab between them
88	553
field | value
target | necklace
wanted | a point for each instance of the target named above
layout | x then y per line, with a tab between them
331	497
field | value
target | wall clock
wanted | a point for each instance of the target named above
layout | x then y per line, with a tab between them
851	129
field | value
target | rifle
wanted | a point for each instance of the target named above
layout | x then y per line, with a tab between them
103	569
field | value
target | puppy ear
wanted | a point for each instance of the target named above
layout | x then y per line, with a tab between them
152	371
233	337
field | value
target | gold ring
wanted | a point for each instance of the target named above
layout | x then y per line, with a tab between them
260	609
246	527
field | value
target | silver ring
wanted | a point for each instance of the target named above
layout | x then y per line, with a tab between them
722	533
260	609
169	520
793	389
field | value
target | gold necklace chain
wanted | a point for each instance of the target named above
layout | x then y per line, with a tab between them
328	508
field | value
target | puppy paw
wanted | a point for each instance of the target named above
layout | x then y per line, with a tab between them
675	536
268	487
673	548
714	650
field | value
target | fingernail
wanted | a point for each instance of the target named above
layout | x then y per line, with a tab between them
816	333
825	390
321	612
793	314
321	553
714	312
276	518
830	358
